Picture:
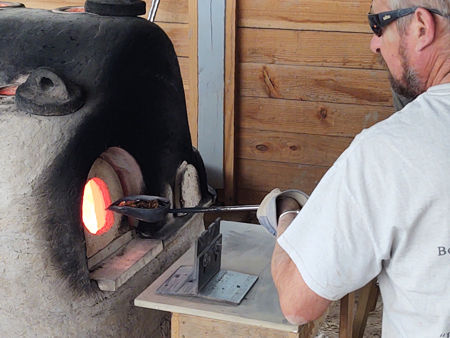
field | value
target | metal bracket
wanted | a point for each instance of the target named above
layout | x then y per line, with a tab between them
208	248
205	279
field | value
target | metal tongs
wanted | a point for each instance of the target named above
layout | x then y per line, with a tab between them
162	208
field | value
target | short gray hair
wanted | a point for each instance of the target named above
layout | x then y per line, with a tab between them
442	6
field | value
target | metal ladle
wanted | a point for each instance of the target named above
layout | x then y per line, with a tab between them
153	215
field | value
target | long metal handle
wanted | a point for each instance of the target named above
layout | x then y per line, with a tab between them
153	10
215	209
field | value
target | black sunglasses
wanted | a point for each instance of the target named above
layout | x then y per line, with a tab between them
380	20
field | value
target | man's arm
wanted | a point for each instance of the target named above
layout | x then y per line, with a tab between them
298	302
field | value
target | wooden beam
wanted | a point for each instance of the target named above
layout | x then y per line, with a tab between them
325	84
264	176
175	325
346	316
311	48
172	11
50	4
318	118
185	70
367	301
291	147
188	326
328	15
179	35
229	104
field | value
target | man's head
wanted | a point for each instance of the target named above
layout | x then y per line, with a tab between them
413	42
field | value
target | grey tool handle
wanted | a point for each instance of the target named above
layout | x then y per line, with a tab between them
215	209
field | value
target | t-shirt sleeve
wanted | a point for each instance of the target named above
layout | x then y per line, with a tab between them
331	241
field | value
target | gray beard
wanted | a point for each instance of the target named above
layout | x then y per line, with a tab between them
409	85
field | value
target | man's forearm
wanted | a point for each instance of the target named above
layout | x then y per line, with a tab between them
281	264
280	258
298	302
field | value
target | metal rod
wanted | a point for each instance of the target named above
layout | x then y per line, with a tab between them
215	209
153	10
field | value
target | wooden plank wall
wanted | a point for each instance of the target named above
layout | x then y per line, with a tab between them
49	4
178	18
307	84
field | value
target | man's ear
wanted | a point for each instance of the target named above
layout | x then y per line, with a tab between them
423	28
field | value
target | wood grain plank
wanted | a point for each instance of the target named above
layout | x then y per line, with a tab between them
346	315
185	70
194	326
328	15
187	96
179	35
175	325
313	48
304	83
264	176
367	300
191	103
229	101
290	147
321	118
247	196
50	4
171	11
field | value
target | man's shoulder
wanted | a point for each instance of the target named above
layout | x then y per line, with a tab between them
374	139
429	110
441	89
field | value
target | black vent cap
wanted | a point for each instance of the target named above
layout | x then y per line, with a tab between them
115	7
46	93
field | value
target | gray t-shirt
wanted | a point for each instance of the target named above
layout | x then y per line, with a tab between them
383	210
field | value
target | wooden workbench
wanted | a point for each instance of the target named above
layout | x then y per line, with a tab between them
247	248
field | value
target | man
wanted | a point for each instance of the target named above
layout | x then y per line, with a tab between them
383	209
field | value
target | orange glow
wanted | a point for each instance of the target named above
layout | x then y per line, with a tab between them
6	4
8	91
96	199
74	9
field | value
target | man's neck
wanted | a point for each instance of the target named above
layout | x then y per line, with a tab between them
440	71
446	77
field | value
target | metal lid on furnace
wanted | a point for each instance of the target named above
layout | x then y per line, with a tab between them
115	7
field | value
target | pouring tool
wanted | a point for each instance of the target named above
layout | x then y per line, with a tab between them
152	215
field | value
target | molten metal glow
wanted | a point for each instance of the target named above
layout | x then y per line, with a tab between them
73	9
96	199
8	91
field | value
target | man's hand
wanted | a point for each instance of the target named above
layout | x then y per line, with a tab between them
276	203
